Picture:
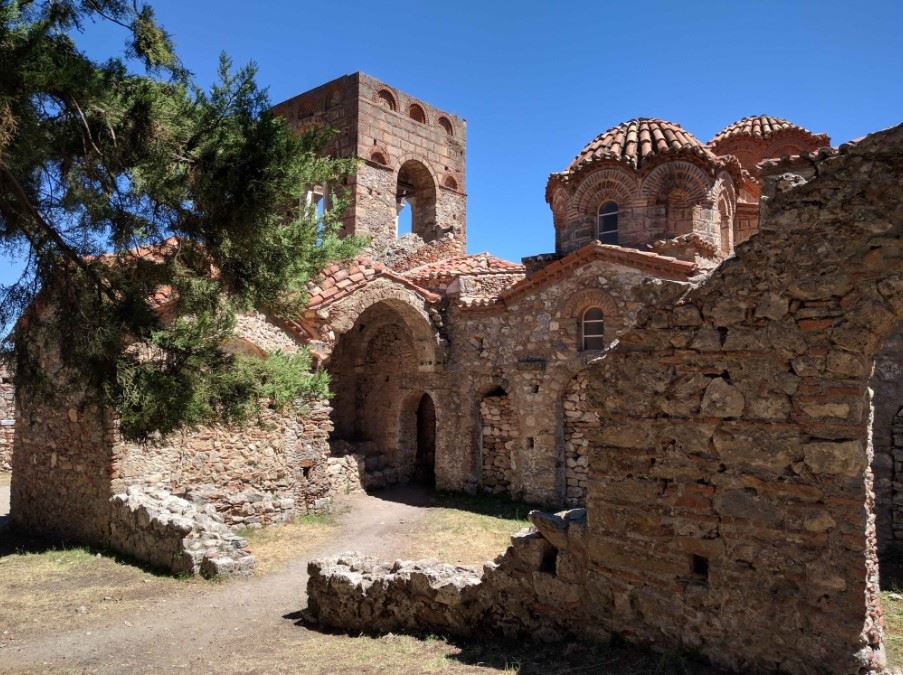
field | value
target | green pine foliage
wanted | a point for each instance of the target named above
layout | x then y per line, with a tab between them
122	181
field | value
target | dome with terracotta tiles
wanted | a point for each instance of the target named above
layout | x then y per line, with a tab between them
639	141
763	127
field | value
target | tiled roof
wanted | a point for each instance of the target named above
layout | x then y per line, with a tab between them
479	263
654	264
338	281
761	126
637	141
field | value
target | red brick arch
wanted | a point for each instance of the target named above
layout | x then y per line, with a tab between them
604	184
677	174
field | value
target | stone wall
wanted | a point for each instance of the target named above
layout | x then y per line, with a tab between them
579	422
730	504
7	419
498	440
887	385
529	347
532	590
174	535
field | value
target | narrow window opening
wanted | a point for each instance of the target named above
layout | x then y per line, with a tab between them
446	124
592	330
549	561
416	113
531	443
608	223
700	567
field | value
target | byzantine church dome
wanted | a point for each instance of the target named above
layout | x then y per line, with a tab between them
762	127
640	141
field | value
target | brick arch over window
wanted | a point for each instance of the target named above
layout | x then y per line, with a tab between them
386	98
571	315
416	186
417	113
602	185
734	434
678	174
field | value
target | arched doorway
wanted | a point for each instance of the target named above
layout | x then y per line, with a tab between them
425	456
377	383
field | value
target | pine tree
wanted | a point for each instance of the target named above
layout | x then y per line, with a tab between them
122	184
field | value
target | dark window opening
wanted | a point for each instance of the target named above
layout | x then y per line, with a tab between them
592	330
608	223
549	561
700	567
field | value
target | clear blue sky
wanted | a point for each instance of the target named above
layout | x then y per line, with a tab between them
537	80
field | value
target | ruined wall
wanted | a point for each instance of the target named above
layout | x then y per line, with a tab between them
579	421
730	505
887	438
62	458
734	435
267	470
7	419
530	347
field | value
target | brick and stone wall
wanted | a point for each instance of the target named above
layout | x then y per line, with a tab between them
396	135
7	419
730	487
530	348
498	438
69	461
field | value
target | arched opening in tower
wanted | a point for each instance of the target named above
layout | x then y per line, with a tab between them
415	199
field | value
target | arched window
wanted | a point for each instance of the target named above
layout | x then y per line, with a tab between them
446	124
592	330
608	223
386	98
379	158
415	112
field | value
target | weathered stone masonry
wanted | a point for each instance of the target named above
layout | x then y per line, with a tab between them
7	419
730	505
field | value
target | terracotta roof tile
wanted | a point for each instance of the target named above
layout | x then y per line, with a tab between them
478	263
657	265
637	141
762	126
338	281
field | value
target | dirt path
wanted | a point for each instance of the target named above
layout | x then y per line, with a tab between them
195	632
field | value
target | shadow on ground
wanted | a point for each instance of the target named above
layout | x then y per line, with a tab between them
561	658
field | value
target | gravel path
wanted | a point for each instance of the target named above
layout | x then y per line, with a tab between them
190	632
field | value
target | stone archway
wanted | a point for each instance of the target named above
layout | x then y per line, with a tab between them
416	190
377	368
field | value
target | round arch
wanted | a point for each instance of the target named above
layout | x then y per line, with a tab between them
416	189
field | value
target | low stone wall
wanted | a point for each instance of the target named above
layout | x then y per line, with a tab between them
375	468
532	590
7	419
174	535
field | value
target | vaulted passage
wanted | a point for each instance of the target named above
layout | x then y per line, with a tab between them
378	406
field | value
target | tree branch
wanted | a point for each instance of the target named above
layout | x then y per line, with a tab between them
51	234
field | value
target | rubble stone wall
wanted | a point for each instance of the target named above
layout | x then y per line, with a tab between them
734	438
730	505
529	347
7	419
498	440
174	535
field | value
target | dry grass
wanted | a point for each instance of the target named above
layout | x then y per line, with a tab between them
325	654
892	604
466	530
42	589
275	545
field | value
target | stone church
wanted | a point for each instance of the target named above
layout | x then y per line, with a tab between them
463	372
466	370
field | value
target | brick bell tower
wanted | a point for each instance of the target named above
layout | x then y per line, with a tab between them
413	155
